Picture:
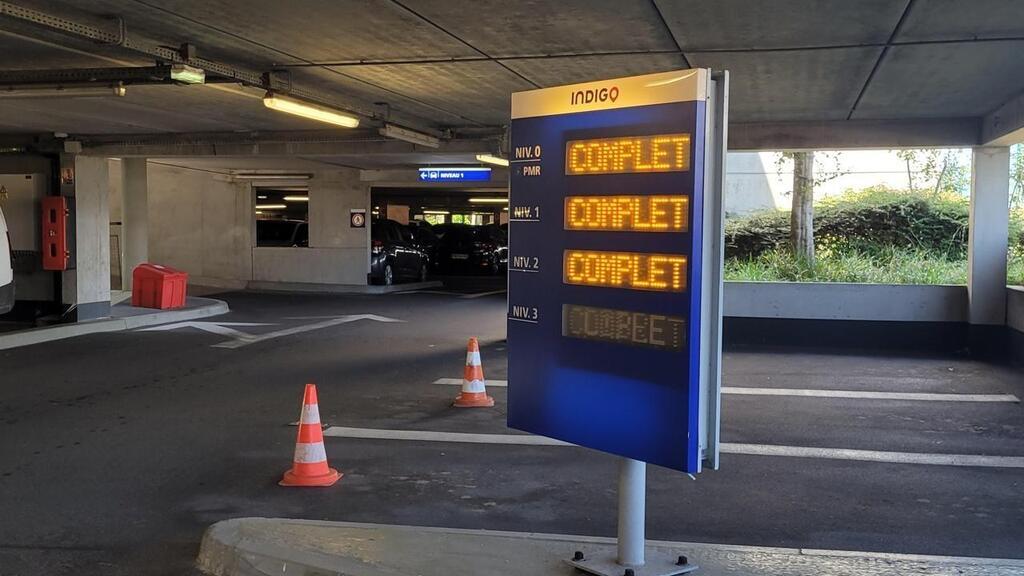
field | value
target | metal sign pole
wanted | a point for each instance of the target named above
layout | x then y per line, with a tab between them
632	511
632	541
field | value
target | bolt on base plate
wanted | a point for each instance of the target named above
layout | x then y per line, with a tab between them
657	564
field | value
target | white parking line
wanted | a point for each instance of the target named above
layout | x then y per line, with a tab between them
870	395
806	393
964	460
482	294
458	382
254	338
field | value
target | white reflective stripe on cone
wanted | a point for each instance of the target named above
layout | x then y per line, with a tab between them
310	453
473	358
473	386
310	414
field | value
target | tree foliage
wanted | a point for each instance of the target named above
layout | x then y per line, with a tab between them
869	221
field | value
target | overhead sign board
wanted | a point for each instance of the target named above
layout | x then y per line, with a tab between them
610	331
472	174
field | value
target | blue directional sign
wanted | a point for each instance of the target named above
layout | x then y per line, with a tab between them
606	259
473	174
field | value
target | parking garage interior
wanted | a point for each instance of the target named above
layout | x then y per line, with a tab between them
877	422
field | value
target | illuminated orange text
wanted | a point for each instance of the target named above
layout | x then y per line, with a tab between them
659	272
626	213
628	154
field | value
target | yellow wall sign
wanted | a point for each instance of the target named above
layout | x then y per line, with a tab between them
628	155
631	270
660	213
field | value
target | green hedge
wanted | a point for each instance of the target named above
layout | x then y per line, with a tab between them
868	222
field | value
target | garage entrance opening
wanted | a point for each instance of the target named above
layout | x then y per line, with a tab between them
447	232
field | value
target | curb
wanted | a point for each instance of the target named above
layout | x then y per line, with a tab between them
200	308
268	546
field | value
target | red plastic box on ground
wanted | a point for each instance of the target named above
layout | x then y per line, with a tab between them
156	286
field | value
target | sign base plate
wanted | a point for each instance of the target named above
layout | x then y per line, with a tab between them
658	563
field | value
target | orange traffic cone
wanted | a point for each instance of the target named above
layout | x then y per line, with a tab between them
474	392
309	466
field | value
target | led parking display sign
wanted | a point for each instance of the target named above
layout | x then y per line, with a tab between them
622	327
632	270
628	155
605	265
665	213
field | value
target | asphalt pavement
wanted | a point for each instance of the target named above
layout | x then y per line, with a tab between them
118	450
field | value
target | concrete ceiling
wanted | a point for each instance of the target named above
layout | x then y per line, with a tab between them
442	64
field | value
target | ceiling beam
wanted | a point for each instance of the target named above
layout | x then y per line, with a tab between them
1004	126
855	134
98	76
139	45
273	145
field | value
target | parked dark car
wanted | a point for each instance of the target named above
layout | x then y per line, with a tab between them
394	255
282	233
466	248
424	238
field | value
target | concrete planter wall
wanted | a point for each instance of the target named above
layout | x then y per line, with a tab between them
836	301
1015	308
1015	322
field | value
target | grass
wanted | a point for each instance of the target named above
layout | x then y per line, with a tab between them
887	266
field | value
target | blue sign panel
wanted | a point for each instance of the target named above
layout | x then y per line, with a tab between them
605	254
455	174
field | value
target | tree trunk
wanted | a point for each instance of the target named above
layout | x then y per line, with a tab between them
801	231
942	176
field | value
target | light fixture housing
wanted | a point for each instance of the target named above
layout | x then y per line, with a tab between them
411	136
116	90
296	107
492	159
488	200
185	74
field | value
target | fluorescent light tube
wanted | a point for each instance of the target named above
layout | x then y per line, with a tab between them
296	198
117	90
492	159
187	74
311	111
411	136
271	206
488	200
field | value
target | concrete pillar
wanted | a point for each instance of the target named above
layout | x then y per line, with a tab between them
987	244
134	216
85	286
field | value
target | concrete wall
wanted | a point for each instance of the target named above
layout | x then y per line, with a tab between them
337	253
203	224
834	301
200	223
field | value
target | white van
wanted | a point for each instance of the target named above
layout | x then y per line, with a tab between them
6	270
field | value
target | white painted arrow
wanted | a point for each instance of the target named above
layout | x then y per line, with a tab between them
220	328
335	321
